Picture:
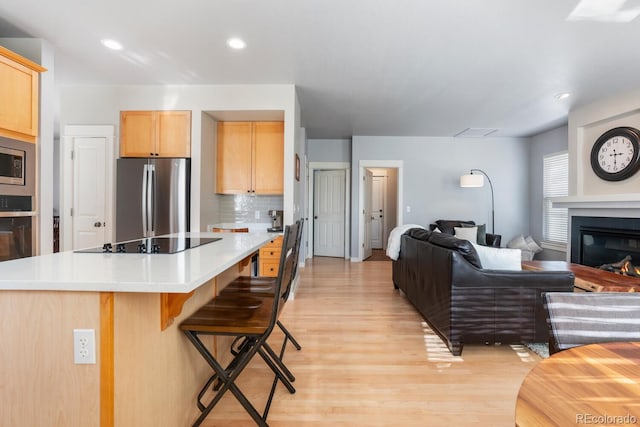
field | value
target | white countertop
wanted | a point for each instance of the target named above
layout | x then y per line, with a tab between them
180	272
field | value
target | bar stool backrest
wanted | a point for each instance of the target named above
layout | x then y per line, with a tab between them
286	267
296	254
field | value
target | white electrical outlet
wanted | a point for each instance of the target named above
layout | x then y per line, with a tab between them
257	214
84	346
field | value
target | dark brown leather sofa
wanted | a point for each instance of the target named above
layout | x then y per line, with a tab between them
442	277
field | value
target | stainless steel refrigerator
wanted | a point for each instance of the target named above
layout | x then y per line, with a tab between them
153	197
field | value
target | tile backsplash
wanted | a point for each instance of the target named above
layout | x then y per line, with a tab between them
242	208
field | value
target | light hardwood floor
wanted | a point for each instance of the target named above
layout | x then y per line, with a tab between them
368	359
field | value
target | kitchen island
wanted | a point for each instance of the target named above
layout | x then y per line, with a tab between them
147	373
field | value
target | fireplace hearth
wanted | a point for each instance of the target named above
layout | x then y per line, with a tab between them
606	242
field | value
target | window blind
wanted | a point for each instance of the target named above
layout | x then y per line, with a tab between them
555	221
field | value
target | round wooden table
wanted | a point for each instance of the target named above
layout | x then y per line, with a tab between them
595	384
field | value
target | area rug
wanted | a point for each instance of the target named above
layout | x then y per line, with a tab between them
541	349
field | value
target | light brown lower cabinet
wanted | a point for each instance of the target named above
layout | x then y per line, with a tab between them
269	257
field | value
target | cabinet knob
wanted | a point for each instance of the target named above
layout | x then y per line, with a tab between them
271	252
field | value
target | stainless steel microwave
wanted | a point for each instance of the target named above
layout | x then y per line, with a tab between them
12	166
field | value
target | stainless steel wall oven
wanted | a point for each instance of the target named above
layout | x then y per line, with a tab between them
16	219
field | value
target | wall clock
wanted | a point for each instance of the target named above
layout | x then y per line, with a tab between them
616	154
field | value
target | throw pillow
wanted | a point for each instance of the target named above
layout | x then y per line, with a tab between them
518	242
466	233
532	245
499	258
482	233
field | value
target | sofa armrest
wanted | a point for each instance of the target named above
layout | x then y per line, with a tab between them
466	275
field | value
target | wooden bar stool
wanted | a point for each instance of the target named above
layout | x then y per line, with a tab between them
264	286
251	320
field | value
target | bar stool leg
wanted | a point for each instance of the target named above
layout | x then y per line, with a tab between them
289	336
227	380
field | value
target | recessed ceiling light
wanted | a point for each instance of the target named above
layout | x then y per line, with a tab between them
564	95
111	44
236	43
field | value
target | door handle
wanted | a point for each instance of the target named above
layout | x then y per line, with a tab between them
315	217
97	224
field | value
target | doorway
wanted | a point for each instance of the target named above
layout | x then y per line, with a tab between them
380	204
328	215
329	190
86	202
382	210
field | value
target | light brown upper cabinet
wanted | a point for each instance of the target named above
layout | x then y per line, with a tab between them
155	134
250	158
19	96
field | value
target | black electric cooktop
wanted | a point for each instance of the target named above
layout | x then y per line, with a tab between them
152	245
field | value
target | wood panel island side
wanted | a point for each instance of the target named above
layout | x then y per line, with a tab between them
147	373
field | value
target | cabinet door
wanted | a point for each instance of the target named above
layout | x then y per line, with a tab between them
137	134
234	158
18	98
268	177
173	130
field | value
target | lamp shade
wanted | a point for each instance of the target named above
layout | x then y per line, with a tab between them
472	180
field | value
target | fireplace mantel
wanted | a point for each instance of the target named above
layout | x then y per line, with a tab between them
600	201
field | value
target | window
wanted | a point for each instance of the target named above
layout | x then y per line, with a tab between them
555	221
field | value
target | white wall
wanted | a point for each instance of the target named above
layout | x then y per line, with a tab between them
208	198
432	170
586	124
329	150
102	105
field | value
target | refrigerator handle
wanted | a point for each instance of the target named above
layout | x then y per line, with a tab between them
145	180
151	200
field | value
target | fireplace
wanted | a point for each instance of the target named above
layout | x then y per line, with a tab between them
596	241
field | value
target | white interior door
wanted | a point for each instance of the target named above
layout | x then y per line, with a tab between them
89	192
367	214
329	212
377	212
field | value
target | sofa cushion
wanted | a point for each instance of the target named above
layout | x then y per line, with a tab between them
419	233
447	225
499	258
463	247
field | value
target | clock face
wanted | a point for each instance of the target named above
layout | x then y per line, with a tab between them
616	154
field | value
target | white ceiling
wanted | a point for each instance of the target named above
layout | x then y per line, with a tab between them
361	67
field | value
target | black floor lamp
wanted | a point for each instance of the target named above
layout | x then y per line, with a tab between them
471	180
